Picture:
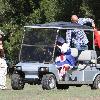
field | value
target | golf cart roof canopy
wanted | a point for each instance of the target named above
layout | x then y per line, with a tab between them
61	25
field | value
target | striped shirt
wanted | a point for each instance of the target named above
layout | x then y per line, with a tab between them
76	36
83	21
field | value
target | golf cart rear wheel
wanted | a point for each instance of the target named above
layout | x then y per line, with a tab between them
96	84
48	81
17	82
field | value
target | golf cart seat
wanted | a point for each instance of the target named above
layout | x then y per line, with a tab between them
88	55
74	52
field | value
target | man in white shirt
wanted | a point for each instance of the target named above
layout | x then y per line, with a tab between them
3	71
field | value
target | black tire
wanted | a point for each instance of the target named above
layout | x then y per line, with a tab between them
48	81
17	82
96	83
62	86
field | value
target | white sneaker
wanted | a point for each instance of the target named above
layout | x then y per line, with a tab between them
3	87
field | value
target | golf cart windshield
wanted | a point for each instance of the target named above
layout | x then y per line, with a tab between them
38	45
39	40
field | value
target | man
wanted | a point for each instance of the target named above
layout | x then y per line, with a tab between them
3	70
78	37
82	21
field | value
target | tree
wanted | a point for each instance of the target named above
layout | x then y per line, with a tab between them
95	6
14	14
85	9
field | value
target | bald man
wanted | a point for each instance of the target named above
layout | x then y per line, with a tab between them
78	37
83	21
74	19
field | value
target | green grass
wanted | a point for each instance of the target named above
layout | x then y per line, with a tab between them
35	92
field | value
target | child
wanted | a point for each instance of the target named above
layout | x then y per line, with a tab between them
64	61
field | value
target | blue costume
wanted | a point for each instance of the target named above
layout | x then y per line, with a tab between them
65	57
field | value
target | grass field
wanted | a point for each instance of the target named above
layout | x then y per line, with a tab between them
35	92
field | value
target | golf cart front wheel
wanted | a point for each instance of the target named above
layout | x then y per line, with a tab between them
96	84
48	82
17	82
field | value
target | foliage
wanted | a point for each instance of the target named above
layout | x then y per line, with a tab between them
14	14
13	35
49	9
85	10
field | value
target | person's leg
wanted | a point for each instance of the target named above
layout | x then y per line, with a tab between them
3	82
78	46
81	47
3	73
84	47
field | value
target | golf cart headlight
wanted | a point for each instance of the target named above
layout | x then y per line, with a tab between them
44	69
93	61
18	68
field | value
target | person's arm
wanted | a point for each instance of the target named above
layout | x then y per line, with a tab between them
65	47
85	21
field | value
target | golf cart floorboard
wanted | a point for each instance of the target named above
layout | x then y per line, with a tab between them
75	82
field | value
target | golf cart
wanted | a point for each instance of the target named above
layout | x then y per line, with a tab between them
37	59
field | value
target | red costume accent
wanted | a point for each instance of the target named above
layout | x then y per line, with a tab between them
62	57
97	38
66	68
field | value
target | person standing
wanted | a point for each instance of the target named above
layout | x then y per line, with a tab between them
3	70
77	38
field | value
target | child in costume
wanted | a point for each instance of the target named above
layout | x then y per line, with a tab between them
64	61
